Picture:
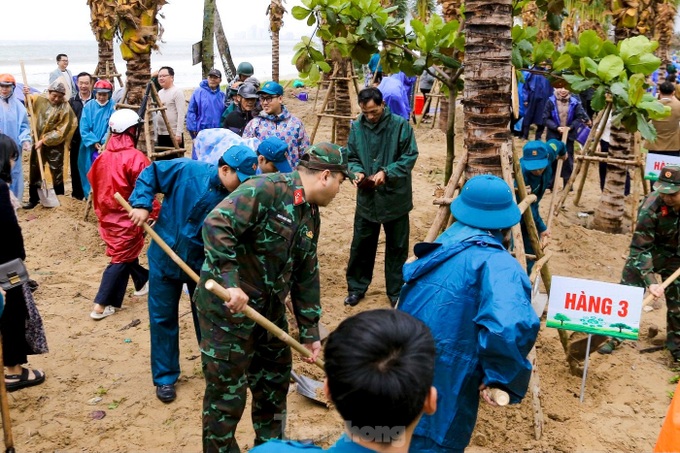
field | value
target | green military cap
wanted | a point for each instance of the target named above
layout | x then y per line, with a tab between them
326	156
669	180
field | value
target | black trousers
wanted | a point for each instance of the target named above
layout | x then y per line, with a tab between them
115	279
13	328
364	248
54	158
76	183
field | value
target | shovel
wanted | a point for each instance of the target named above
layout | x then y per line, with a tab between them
47	196
310	388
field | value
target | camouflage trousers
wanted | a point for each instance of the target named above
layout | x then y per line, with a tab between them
231	365
664	267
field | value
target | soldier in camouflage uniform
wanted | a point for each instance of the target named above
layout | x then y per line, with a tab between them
260	243
654	249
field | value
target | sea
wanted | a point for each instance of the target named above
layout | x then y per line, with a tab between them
39	59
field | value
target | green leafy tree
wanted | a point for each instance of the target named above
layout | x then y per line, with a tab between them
621	326
561	318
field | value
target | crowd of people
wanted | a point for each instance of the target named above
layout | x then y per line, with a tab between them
244	211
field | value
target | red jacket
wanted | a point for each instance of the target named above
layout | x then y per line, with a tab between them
116	170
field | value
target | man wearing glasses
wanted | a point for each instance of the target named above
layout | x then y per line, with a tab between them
61	71
276	121
172	98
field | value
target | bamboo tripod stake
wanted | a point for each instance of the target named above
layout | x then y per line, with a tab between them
221	292
558	177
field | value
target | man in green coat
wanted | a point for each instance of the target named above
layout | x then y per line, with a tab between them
382	151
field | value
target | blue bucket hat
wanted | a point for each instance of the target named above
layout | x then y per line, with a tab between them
242	160
275	150
486	202
559	147
272	88
535	155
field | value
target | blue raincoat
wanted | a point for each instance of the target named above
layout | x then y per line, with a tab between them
14	123
396	90
192	189
94	127
536	91
205	109
475	298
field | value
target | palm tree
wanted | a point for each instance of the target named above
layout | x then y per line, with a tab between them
488	45
139	30
275	12
208	38
609	213
663	28
104	22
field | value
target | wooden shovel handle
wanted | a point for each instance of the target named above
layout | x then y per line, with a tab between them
221	292
29	105
650	297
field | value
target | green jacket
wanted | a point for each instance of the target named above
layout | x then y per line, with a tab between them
655	242
262	238
388	145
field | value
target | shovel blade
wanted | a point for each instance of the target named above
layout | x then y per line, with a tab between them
47	196
309	388
578	347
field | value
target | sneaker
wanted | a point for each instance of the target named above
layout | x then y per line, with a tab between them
108	311
142	292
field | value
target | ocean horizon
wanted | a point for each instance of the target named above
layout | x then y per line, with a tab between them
39	59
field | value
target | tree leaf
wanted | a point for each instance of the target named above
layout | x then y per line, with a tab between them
645	63
300	13
610	67
314	74
543	51
582	85
516	58
563	62
636	89
620	90
599	98
588	65
655	109
647	131
635	46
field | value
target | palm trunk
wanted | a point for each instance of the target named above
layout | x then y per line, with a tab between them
138	74
488	83
275	56
105	58
609	212
275	23
223	49
208	39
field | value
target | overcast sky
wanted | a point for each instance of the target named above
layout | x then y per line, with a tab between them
70	19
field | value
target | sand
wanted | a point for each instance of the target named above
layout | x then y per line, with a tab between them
103	366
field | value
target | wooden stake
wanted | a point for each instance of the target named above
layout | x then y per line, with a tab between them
443	213
558	177
635	182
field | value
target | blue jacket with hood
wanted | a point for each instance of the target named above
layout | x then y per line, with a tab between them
205	109
476	299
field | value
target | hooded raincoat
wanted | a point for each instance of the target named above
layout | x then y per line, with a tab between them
284	126
116	170
475	298
94	127
14	123
388	145
205	109
396	91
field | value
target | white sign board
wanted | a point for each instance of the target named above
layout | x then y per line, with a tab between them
595	307
655	162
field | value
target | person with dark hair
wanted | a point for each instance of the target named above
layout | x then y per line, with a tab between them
276	121
55	124
85	82
65	74
206	105
243	109
115	171
260	244
191	190
564	109
667	141
382	151
476	299
379	373
20	313
175	105
14	122
272	156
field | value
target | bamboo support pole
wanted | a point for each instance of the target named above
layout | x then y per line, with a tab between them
443	213
331	86
526	202
557	178
600	129
164	115
636	181
598	125
609	160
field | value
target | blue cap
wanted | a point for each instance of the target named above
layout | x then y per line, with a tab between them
535	155
559	147
275	150
272	88
486	202
242	160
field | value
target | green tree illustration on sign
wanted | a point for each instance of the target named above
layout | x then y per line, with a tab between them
561	318
621	326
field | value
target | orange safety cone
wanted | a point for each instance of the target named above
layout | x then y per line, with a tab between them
669	437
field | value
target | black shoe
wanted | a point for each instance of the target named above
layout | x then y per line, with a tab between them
32	285
393	300
166	393
353	299
30	205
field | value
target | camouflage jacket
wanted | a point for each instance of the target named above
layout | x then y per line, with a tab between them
655	237
263	238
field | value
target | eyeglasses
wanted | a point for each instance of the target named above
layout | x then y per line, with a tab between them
162	76
266	99
63	61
